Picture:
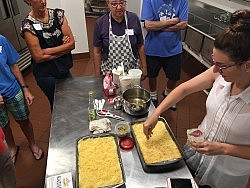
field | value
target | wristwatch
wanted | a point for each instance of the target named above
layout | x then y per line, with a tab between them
25	86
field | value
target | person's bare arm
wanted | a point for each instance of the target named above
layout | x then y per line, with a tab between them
17	73
218	148
141	51
179	26
159	25
41	55
1	100
202	81
97	60
68	41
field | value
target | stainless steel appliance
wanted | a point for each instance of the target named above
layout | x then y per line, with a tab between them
12	13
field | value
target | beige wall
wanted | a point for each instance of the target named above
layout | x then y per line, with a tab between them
74	11
134	6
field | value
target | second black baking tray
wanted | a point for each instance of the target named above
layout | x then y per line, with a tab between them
163	166
122	184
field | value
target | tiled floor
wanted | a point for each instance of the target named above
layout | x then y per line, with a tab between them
30	173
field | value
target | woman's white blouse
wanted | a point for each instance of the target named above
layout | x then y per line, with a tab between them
227	120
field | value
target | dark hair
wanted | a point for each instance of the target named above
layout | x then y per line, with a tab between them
240	17
235	39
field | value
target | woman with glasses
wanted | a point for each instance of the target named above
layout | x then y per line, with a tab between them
118	39
223	159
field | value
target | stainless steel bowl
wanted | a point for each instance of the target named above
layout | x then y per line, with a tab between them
136	101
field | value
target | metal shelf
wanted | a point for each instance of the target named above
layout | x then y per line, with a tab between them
196	56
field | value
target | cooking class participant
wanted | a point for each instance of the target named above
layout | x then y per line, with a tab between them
16	98
223	159
118	39
164	20
50	41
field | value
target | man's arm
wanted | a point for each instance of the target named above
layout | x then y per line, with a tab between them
97	60
160	25
141	51
1	100
179	26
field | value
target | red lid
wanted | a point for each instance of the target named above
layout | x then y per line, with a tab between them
126	143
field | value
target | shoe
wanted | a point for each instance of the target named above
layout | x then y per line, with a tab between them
14	157
163	94
155	101
172	107
35	153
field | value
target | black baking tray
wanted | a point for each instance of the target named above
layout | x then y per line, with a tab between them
163	166
122	184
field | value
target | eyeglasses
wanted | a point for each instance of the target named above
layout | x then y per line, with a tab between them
115	4
221	68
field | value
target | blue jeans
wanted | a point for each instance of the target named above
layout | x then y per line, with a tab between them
47	85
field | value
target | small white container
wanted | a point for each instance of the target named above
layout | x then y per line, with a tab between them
125	83
135	75
135	72
116	74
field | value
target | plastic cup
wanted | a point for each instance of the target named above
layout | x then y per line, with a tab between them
135	72
116	75
135	75
125	83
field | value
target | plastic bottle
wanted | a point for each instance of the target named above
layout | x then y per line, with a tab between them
91	108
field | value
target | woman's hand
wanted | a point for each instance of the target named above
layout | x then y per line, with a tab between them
149	125
209	148
66	39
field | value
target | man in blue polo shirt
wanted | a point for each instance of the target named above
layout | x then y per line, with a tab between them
164	20
16	96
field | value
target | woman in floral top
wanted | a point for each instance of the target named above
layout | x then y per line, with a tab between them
50	41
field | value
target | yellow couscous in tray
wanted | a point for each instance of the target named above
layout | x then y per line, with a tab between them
161	152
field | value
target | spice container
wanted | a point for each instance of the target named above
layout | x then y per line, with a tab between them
91	107
122	129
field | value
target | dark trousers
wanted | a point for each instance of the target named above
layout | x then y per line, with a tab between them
47	85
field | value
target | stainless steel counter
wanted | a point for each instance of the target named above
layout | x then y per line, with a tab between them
70	121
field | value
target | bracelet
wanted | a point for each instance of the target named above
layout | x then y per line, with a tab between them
25	86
